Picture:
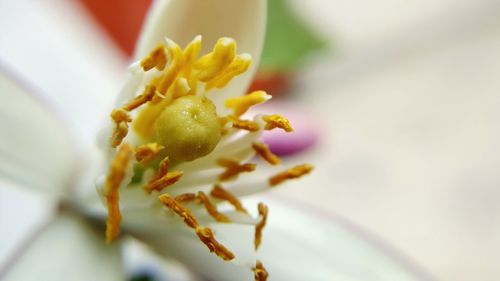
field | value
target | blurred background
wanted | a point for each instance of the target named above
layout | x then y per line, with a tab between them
396	103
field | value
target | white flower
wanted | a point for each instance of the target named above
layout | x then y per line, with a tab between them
135	184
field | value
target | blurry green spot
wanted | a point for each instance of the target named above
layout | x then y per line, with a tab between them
288	39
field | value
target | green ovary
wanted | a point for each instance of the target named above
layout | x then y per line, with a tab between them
188	128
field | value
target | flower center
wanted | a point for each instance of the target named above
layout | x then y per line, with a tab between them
175	124
188	128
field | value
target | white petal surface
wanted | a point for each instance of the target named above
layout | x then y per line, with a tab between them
182	20
35	148
68	249
58	47
296	246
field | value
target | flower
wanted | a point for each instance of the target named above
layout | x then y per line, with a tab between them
39	154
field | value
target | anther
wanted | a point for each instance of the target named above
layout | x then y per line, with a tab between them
263	151
277	121
163	182
260	273
239	65
147	152
292	173
119	133
263	212
206	236
233	168
212	64
180	210
146	96
211	208
157	58
186	197
247	125
114	179
220	193
240	105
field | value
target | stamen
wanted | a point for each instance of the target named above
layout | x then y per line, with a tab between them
206	236
175	56
260	273
263	151
120	115
180	210
146	96
211	208
211	65
164	182
222	194
147	152
119	133
157	58
162	170
292	173
121	118
244	124
114	179
240	105
239	65
186	197
233	168
263	212
277	121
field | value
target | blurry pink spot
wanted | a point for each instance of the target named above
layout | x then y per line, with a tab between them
306	128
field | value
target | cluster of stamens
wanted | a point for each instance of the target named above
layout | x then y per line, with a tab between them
175	124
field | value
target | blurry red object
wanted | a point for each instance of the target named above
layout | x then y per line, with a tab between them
122	20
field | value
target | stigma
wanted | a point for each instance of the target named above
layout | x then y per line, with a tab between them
174	154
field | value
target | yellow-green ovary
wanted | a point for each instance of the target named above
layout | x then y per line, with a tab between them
189	128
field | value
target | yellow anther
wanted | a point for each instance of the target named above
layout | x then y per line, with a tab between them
212	64
114	179
206	236
120	131
147	152
263	212
146	96
179	88
157	58
260	273
247	125
162	170
293	173
220	193
186	197
239	65
233	168
263	151
180	210
120	115
240	105
192	51
277	121
177	63
211	208
164	182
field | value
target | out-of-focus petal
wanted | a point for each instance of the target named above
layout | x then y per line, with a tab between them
35	148
67	249
182	20
64	54
296	246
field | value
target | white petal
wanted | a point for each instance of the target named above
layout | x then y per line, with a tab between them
182	20
68	249
296	246
35	148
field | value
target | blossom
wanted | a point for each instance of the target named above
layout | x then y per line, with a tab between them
42	156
